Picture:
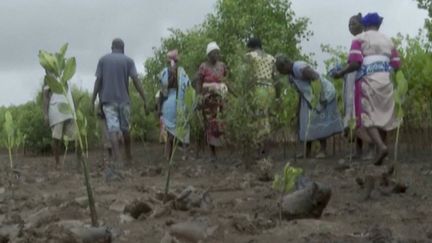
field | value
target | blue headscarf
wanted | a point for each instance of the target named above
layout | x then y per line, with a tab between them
372	19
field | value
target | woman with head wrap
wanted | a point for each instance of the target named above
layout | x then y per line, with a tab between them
212	89
263	81
318	117
355	27
174	82
373	55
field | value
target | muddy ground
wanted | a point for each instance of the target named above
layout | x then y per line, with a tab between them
238	206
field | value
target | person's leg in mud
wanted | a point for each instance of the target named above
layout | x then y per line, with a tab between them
213	153
359	148
370	151
264	136
383	134
212	147
323	149
374	133
364	151
363	135
207	115
127	147
111	170
124	117
112	118
169	146
185	150
55	146
200	145
384	137
70	134
110	153
115	144
107	154
211	134
57	136
308	149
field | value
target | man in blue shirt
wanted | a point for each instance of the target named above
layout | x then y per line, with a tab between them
112	86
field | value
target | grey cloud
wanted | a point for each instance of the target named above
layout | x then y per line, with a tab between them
330	20
90	25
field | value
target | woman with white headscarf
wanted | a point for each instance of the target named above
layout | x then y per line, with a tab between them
212	89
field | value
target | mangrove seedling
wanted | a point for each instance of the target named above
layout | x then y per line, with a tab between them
59	70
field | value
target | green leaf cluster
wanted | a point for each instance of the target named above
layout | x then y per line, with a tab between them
316	93
143	126
336	56
10	130
231	24
185	111
413	97
59	69
427	5
400	93
285	181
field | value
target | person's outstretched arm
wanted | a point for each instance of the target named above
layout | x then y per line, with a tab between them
139	88
96	90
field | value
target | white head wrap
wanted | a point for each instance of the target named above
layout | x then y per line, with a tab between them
212	46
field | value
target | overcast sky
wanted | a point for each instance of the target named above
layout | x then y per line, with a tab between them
89	26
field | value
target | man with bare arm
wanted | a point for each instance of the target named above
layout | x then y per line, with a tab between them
111	85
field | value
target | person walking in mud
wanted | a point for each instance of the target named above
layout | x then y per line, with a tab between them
351	96
174	82
265	92
211	90
61	123
106	143
374	56
111	85
314	123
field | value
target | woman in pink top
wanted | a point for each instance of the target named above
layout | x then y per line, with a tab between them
211	87
373	56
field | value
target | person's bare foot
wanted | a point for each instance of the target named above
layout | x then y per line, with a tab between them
382	154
